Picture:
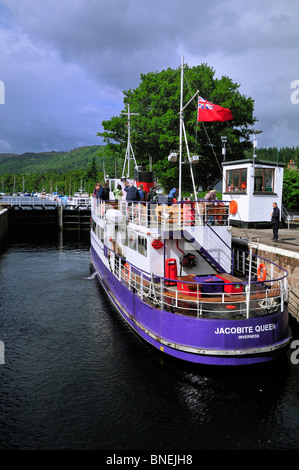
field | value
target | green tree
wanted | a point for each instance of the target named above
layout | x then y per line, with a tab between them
290	194
155	131
92	172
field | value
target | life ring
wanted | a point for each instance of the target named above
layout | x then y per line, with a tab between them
261	267
233	207
127	272
157	244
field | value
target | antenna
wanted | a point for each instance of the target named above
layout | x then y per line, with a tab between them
129	146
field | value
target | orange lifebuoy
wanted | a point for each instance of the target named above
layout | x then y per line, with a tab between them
261	267
233	207
127	272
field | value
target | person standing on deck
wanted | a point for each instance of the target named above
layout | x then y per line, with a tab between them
151	196
210	196
104	192
118	192
96	190
132	192
172	194
142	193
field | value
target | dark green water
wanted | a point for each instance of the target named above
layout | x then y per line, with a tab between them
76	377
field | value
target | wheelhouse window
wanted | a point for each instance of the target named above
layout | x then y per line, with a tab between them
236	180
142	245
137	242
97	230
264	180
132	236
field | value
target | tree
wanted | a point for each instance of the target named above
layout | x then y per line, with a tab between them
155	131
92	172
290	194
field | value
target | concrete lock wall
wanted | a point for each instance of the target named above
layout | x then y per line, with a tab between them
288	259
290	262
3	224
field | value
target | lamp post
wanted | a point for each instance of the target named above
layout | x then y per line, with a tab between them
255	132
223	140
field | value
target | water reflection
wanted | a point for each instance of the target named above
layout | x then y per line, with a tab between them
77	377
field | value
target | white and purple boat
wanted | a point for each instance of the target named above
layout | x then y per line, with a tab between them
171	272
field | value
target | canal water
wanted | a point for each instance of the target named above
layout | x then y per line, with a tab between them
76	377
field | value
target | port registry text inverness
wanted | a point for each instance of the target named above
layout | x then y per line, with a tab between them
173	460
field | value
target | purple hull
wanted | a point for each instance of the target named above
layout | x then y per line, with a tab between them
199	340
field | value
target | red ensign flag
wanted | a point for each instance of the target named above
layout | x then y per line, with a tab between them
208	111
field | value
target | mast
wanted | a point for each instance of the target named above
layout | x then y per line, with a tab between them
181	129
129	146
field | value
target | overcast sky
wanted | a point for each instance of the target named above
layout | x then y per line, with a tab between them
65	63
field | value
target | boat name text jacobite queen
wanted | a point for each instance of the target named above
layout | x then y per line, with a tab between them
245	329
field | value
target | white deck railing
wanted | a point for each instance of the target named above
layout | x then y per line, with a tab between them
264	284
27	201
164	216
256	298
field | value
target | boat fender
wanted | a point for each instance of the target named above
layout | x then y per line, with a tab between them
263	268
233	207
127	272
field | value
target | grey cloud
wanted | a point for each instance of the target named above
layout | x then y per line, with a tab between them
66	63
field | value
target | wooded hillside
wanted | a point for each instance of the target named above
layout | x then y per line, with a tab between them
67	171
61	171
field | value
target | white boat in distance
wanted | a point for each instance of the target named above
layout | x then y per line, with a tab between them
80	200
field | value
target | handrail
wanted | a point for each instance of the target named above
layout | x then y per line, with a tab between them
146	213
27	200
34	201
157	290
271	263
160	291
